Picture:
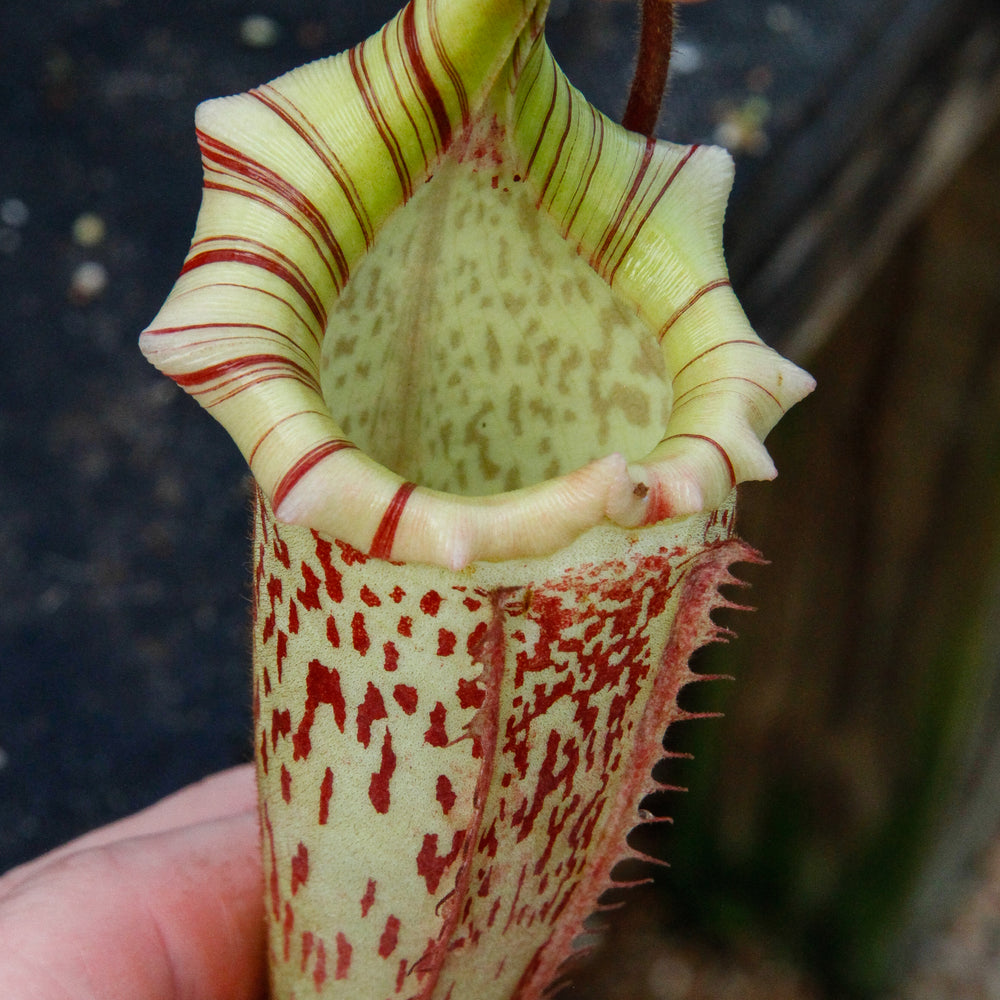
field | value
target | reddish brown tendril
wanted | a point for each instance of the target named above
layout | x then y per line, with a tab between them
652	63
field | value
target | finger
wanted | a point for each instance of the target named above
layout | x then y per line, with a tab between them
227	793
170	915
224	794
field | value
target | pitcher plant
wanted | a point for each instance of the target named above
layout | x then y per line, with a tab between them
479	348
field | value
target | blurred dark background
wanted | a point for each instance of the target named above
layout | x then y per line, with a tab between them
841	817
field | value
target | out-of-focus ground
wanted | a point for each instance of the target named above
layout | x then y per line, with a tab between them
646	956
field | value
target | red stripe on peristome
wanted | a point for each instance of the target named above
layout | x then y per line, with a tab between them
424	79
305	464
718	447
243	384
308	461
649	211
303	322
688	395
559	148
228	158
448	66
704	290
277	266
341	262
277	424
222	325
715	347
544	125
385	535
359	70
596	158
227	326
614	230
270	97
411	84
235	366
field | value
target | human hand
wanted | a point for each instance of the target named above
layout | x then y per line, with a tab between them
163	905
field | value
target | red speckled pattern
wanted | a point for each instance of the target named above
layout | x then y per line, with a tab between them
449	764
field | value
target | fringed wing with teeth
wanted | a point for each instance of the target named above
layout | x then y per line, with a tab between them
450	763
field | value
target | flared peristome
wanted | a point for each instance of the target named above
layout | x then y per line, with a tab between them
449	312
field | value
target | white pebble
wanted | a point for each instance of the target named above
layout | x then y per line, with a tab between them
258	31
685	59
88	230
781	18
13	212
88	282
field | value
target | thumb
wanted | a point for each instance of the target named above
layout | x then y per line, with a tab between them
162	916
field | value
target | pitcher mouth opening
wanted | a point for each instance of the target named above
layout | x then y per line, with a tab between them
485	363
474	352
